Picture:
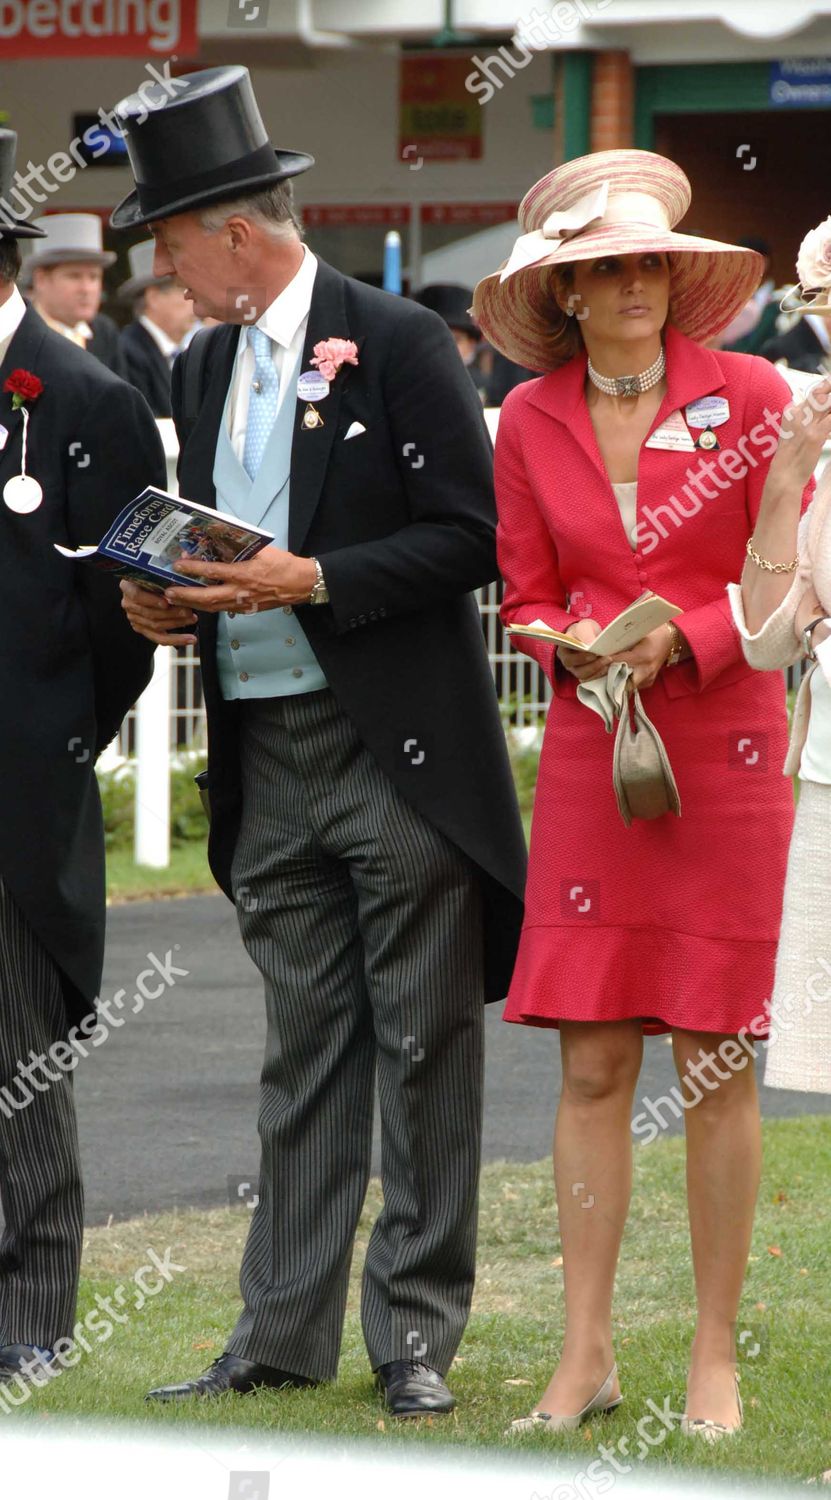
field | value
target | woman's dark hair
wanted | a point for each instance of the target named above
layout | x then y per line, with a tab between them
562	284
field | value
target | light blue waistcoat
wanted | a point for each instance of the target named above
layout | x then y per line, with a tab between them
265	655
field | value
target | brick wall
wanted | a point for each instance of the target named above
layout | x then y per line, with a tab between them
613	98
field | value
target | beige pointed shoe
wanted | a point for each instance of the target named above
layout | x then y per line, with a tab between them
544	1421
710	1431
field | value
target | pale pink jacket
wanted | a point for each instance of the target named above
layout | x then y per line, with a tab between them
776	645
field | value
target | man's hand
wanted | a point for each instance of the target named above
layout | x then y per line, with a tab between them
151	616
580	665
267	581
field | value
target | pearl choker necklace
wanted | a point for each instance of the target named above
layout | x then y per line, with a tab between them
629	385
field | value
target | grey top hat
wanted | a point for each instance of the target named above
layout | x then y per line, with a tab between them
69	237
141	272
12	227
197	144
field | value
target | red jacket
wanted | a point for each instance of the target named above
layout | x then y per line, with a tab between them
563	551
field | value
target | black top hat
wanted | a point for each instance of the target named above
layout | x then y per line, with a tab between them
12	227
196	140
451	302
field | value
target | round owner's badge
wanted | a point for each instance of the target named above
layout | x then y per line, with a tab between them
312	387
708	439
22	494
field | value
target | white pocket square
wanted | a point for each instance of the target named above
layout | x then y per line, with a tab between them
355	429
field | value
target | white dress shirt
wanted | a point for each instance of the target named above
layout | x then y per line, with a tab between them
285	321
11	316
162	340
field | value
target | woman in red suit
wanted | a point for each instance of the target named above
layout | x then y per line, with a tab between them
638	462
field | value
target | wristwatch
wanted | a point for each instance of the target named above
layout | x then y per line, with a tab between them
677	646
808	634
320	593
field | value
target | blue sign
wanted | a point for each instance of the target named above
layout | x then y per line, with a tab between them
801	83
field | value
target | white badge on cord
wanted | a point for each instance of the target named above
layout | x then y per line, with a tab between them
312	387
708	411
672	435
4	435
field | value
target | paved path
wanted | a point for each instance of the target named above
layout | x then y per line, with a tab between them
168	1105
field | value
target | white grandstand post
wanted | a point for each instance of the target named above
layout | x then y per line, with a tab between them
152	811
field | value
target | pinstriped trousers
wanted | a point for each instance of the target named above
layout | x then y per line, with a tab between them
40	1173
366	924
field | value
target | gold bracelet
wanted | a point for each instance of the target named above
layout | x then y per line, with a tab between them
769	567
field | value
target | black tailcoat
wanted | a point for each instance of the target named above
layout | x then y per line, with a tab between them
402	518
70	666
104	343
146	368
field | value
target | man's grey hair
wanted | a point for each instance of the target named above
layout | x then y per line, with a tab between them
272	209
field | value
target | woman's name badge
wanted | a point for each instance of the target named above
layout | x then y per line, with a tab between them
312	387
707	411
672	435
22	494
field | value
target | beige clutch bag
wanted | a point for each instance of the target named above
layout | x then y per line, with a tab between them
644	784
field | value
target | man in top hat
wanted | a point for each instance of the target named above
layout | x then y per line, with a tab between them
492	374
363	811
76	444
162	319
64	275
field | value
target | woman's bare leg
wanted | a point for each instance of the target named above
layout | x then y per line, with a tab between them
724	1152
593	1178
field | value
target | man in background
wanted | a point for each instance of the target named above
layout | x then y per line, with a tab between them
64	277
162	320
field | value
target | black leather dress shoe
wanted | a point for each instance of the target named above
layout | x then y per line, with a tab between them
228	1373
412	1389
31	1362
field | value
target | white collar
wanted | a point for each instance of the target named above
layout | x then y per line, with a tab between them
165	343
820	327
282	319
12	313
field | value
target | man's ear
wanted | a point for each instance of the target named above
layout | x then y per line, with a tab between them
239	231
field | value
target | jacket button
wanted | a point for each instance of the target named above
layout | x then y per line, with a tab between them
297	671
231	614
235	645
243	676
361	619
287	610
289	640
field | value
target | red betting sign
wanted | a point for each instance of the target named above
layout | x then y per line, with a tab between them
97	28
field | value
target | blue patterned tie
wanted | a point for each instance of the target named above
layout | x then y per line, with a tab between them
262	403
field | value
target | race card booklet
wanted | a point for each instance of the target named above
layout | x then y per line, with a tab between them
156	528
644	614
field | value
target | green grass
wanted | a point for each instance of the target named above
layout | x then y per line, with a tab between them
515	1330
186	874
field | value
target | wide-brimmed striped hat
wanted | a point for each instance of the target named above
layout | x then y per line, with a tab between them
609	203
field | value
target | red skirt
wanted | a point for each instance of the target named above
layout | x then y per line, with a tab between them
674	921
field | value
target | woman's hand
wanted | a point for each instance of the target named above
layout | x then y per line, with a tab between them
804	428
578	663
647	657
